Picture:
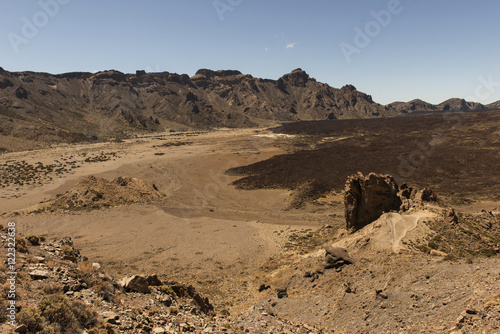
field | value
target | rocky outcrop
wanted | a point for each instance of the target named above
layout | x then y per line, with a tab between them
120	103
367	197
411	197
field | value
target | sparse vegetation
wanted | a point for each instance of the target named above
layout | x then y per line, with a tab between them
21	245
71	316
33	239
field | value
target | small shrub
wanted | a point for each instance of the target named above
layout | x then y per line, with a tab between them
84	268
105	289
52	288
31	318
33	239
432	244
68	250
72	316
449	257
21	245
52	329
167	289
137	310
103	329
153	311
3	311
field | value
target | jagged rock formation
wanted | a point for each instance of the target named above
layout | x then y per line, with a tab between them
76	106
366	198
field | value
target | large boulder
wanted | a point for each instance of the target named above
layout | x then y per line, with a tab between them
367	197
135	283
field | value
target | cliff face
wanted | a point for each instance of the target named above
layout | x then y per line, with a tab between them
74	106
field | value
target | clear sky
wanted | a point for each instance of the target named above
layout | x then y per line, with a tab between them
428	49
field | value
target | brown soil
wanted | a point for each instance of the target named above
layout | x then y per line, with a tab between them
227	242
93	193
453	154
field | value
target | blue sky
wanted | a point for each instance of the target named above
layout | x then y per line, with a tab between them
433	50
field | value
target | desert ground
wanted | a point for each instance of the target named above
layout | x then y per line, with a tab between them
241	208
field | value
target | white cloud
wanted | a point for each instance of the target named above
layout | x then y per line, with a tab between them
291	45
267	50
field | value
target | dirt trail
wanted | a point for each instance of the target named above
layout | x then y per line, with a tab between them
390	232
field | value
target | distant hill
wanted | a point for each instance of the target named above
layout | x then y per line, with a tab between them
454	104
494	105
81	106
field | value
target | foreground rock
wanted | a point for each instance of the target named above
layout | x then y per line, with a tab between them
336	257
366	198
135	283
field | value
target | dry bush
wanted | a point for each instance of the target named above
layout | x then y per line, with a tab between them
71	316
3	311
33	239
21	245
105	289
102	329
68	250
31	318
167	289
85	268
52	288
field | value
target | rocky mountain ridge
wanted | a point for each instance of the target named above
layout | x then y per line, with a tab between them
453	104
79	106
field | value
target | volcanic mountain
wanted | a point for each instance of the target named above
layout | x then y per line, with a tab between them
79	106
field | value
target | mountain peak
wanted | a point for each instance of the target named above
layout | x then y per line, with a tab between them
297	77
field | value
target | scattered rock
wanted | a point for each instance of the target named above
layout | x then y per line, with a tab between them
135	283
263	287
450	216
435	252
153	280
282	292
336	257
380	293
39	274
110	317
21	329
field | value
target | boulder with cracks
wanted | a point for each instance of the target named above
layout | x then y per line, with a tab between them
366	198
